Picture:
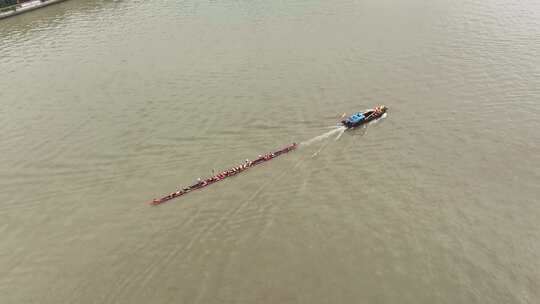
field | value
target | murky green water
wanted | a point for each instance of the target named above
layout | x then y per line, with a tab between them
105	105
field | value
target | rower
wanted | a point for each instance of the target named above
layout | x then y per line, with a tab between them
201	183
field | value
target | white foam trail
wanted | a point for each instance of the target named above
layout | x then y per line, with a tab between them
323	136
320	149
341	133
339	130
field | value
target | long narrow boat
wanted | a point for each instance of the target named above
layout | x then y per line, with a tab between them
223	175
10	8
360	118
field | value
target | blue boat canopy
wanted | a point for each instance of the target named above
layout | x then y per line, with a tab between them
358	117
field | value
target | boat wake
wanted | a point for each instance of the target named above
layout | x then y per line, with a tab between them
337	130
340	134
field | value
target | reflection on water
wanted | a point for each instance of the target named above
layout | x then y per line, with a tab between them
106	104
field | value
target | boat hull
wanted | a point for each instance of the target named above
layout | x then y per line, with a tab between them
369	116
25	7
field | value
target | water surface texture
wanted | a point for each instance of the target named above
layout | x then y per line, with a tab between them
105	105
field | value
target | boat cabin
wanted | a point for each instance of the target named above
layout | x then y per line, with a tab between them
356	118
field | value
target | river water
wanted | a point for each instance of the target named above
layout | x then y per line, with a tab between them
105	105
